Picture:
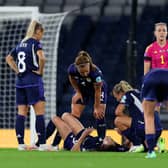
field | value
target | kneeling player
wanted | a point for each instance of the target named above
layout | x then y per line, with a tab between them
131	125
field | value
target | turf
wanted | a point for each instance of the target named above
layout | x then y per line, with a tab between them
63	159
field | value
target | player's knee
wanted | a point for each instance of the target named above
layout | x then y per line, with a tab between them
76	114
65	115
117	122
54	120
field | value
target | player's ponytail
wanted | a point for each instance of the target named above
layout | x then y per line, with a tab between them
125	86
82	58
32	28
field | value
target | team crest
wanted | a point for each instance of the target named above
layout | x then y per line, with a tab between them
99	79
88	79
76	77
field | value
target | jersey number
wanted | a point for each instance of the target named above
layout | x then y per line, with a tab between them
162	59
21	63
102	96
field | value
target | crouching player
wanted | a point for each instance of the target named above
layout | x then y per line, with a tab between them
130	117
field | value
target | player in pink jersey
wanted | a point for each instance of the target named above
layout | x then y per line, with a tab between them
156	54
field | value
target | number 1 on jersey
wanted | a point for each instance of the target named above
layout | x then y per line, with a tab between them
162	59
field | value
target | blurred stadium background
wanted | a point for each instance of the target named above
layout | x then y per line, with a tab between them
114	32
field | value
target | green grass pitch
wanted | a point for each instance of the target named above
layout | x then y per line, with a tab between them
12	158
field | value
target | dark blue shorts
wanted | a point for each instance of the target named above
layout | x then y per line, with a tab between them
29	95
69	141
155	85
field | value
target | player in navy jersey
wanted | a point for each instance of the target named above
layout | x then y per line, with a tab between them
130	117
87	80
90	88
27	60
154	89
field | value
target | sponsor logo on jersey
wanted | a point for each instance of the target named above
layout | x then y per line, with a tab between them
76	77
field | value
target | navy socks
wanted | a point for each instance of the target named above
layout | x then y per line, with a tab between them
151	142
101	128
40	129
19	127
57	139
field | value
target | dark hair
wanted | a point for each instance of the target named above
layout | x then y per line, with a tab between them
83	57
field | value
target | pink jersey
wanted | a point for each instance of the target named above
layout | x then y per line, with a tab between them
157	55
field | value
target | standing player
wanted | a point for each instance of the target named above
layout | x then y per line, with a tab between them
130	117
87	80
27	60
156	54
154	89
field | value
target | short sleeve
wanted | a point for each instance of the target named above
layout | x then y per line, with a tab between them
38	46
126	99
147	54
71	70
97	75
13	53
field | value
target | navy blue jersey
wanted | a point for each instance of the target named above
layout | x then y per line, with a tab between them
86	84
90	143
25	55
155	85
133	104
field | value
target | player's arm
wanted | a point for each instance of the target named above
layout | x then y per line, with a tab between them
42	60
85	133
147	66
97	87
119	111
98	108
147	59
11	62
74	83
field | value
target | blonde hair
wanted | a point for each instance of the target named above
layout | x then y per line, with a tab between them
122	86
32	28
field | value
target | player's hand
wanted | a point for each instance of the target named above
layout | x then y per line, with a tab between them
98	113
37	72
19	74
76	97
